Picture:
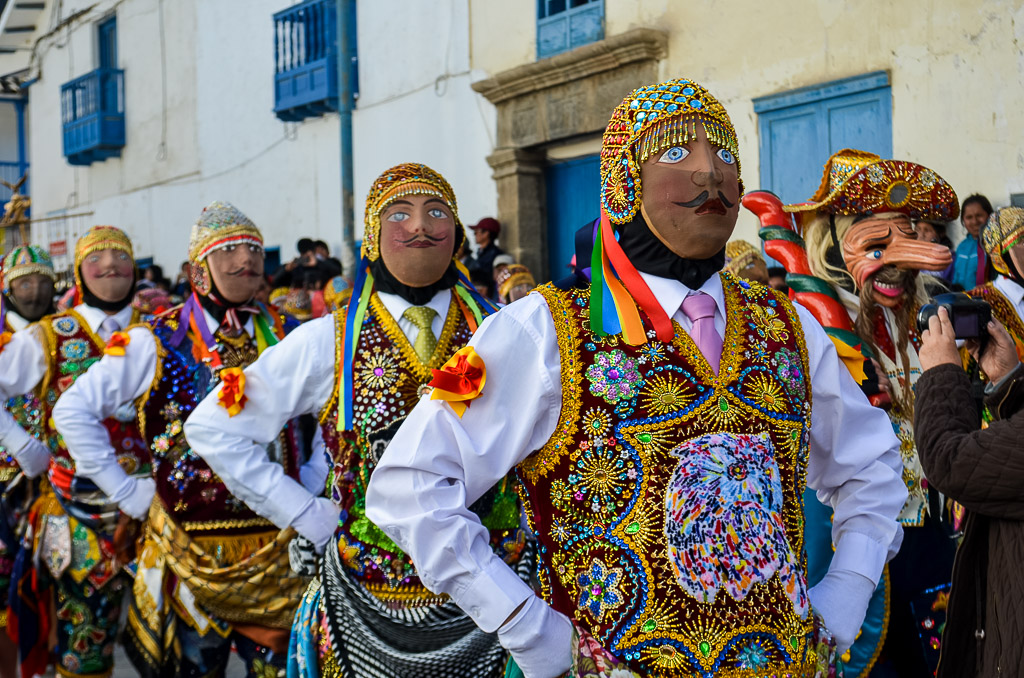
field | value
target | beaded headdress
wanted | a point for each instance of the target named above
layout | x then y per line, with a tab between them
647	121
337	292
399	181
1005	229
220	225
739	254
402	180
857	182
95	239
25	260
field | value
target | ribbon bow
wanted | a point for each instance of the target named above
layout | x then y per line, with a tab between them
459	380
5	338
116	343
232	390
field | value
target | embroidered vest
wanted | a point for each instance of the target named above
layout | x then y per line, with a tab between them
190	491
1004	312
388	379
668	502
72	348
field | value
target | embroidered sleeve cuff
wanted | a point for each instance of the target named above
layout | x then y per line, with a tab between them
857	552
492	596
317	521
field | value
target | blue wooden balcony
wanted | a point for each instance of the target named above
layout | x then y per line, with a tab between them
306	60
92	112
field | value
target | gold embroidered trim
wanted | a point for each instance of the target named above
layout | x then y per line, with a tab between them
226	525
441	352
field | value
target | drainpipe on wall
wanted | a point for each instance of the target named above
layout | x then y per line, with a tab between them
346	53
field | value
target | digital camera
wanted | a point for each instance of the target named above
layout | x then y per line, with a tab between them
969	317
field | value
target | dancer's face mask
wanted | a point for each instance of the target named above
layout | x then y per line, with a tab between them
237	271
109	274
691	195
882	252
32	296
417	239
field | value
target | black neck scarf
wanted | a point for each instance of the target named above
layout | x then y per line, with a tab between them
648	254
384	281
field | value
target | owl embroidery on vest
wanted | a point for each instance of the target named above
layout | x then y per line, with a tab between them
723	519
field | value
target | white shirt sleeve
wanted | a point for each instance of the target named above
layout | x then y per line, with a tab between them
855	465
23	363
95	396
438	463
32	455
294	377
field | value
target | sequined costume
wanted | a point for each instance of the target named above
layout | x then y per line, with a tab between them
1002	233
210	572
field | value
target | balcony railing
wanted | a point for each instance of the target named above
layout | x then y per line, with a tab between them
92	111
306	60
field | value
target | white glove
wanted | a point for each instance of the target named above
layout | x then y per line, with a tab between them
540	640
32	456
134	496
842	598
317	522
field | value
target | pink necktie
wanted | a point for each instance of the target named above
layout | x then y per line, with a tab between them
700	309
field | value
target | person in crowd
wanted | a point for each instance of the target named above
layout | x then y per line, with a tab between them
934	231
970	267
982	470
361	371
182	284
27	282
485	233
745	261
151	301
298	305
1002	238
337	293
78	530
659	418
153	276
331	266
212	574
293	274
513	282
777	279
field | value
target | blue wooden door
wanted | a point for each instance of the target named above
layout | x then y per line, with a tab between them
573	198
799	130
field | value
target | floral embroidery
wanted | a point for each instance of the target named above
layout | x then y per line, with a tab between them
65	326
596	422
75	349
663	394
752	656
723	519
789	370
768	324
655	351
378	370
613	376
601	477
599	589
766	392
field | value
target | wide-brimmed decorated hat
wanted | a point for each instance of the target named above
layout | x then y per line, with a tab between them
739	254
857	182
220	225
95	239
1005	229
409	178
25	260
647	121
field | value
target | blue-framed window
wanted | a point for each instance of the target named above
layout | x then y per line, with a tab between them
92	105
801	128
563	25
306	59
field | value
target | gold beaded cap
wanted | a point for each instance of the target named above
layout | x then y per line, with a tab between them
221	224
100	238
649	120
739	254
1005	229
25	260
403	180
857	182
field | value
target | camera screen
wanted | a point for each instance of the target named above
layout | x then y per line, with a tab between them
965	326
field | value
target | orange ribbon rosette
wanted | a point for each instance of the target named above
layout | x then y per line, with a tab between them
232	390
116	343
5	338
460	380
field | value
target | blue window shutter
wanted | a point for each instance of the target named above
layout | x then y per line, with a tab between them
573	199
800	129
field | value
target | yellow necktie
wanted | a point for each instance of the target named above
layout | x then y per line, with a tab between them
422	317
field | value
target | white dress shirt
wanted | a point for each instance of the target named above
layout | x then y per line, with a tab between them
31	454
97	394
1013	292
438	463
294	377
16	321
23	365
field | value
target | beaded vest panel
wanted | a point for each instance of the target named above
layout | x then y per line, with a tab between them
668	502
191	492
388	379
72	348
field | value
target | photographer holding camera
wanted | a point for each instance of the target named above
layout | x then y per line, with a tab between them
983	470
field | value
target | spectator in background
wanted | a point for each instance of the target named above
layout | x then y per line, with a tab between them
330	264
263	292
745	261
293	273
153	276
183	283
969	267
513	281
935	231
485	232
777	279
